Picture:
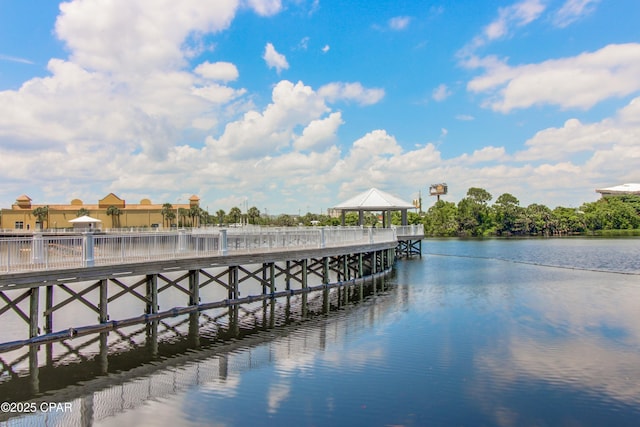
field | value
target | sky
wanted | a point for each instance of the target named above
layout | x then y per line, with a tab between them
294	106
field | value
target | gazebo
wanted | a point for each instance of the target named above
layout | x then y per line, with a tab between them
376	201
85	222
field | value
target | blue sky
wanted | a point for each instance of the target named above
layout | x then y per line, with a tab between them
295	106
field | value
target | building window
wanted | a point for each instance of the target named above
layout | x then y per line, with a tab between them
19	225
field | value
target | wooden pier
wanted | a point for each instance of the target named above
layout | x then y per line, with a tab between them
58	304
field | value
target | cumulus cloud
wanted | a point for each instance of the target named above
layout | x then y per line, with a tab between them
572	10
265	7
351	92
576	82
136	36
485	154
258	134
622	131
319	133
274	59
220	71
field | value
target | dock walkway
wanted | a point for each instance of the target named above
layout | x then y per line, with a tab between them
98	274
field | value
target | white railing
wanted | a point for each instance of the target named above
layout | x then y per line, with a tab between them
410	230
46	252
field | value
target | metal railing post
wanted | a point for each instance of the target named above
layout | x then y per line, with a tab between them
181	240
87	246
223	242
37	248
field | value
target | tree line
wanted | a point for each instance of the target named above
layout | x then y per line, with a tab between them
471	216
474	216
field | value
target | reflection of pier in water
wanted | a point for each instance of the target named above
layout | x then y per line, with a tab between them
160	359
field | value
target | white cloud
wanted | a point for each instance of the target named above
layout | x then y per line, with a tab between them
351	92
258	134
15	59
509	18
265	7
577	82
485	154
319	133
150	34
326	48
572	10
274	59
398	23
220	71
621	131
441	93
304	43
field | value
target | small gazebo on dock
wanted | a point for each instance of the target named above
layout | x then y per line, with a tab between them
85	222
374	200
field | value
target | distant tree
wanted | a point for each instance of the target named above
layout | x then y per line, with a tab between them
441	219
167	209
234	215
569	220
82	212
285	220
183	214
220	214
196	213
114	213
610	213
42	213
351	218
538	220
506	212
170	216
253	214
473	213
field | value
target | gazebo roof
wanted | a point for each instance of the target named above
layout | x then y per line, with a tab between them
374	200
86	219
621	189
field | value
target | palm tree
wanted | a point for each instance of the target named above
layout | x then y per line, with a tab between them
114	213
220	215
234	215
42	213
166	210
195	213
253	213
182	213
82	212
171	215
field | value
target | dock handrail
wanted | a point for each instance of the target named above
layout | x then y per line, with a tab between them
47	252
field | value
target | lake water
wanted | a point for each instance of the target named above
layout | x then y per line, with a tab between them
496	332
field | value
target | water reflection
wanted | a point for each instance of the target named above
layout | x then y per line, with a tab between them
450	340
105	387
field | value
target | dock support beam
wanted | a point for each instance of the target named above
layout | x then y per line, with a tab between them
33	312
103	314
152	294
194	287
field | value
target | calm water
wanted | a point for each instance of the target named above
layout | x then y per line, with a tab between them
532	332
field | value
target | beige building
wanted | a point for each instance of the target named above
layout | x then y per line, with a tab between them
113	211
